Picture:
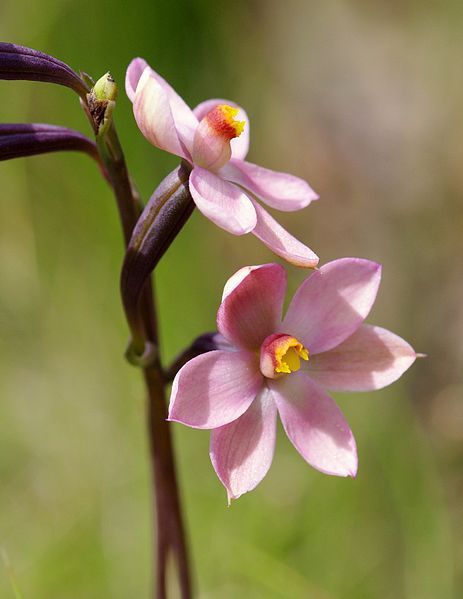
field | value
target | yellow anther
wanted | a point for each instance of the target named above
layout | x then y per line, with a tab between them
288	355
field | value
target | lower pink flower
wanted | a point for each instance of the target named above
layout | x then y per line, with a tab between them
270	366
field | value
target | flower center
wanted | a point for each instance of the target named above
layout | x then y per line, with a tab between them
281	354
211	143
222	120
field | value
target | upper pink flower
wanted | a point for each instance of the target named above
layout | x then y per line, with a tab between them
214	139
269	366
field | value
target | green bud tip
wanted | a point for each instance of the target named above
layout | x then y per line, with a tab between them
105	88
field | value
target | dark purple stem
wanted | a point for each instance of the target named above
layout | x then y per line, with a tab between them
170	533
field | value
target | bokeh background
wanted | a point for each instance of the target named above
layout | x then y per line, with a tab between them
361	98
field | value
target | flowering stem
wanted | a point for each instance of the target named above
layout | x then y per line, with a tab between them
169	532
169	523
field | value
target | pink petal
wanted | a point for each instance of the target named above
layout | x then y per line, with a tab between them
332	303
239	145
214	388
315	425
278	190
369	359
242	451
132	77
154	116
222	202
252	304
184	120
277	239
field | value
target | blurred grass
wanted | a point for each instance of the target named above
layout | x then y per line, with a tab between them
360	99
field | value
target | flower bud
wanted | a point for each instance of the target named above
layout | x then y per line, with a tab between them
101	103
105	88
165	214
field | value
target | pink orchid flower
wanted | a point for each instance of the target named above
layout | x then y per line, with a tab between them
223	185
269	366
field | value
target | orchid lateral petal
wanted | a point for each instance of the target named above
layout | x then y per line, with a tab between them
242	451
214	389
332	303
369	359
315	425
279	190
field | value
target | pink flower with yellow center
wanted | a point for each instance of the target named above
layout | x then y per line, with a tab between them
214	139
268	366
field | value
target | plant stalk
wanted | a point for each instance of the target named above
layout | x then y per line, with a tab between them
169	528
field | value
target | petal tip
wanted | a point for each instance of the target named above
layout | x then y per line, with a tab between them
304	261
353	471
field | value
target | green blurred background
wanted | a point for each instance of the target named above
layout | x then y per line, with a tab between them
361	98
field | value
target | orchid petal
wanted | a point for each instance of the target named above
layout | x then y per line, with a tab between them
214	388
369	359
185	122
282	243
154	116
332	303
132	76
239	145
242	451
279	190
222	202
315	425
252	305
